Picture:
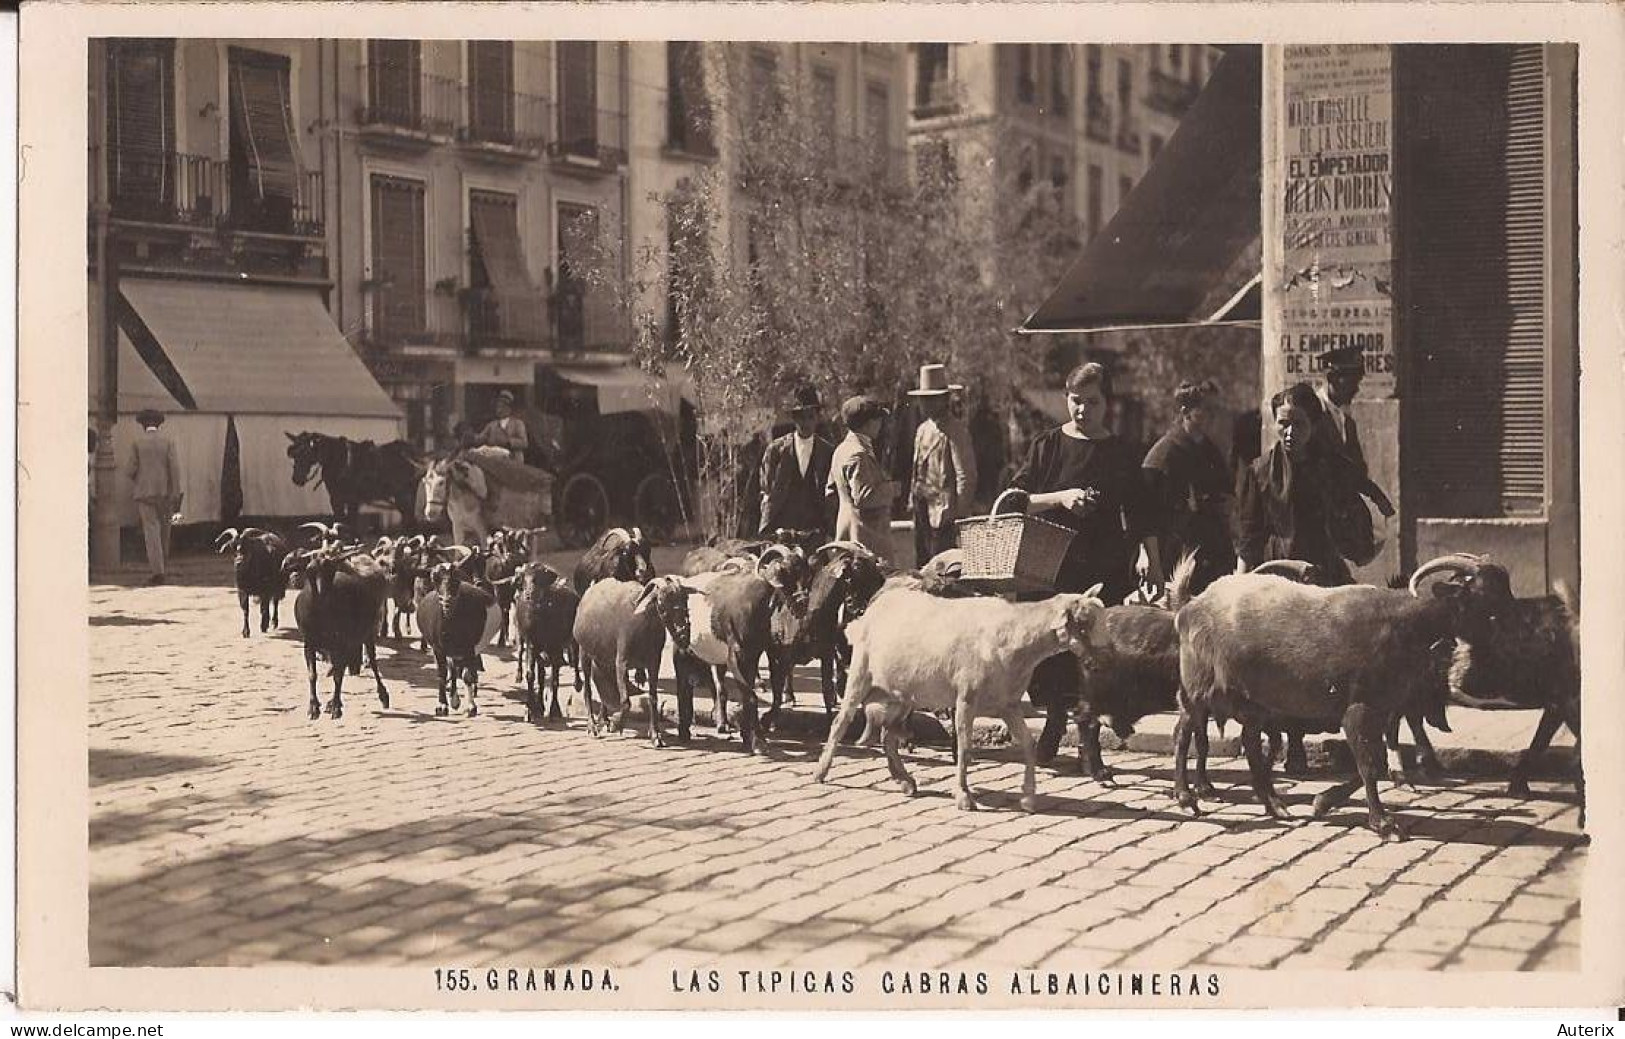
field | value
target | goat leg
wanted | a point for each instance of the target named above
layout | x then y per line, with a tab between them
1016	721
1297	759
1427	759
1259	765
857	687
472	677
586	695
442	707
1090	763
684	676
242	600
892	739
553	664
378	679
722	726
527	677
964	720
1182	744
1518	782
310	665
265	614
1363	728
335	706
826	680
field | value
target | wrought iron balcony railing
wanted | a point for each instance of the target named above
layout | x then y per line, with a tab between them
169	187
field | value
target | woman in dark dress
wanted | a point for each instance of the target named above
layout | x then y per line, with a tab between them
1084	478
1192	487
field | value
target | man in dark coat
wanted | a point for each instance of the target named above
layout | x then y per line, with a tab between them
1344	370
795	468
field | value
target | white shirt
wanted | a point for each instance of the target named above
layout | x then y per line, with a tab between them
804	446
1339	417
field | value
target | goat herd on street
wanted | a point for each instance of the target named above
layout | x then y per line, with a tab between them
1270	649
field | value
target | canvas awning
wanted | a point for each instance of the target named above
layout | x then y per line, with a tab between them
1177	250
246	349
622	388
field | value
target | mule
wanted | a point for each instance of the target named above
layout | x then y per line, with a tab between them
357	473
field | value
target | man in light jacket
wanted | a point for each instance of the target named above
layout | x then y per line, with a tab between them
156	473
941	487
864	493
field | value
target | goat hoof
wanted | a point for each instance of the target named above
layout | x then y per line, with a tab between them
684	736
383	698
334	711
440	711
473	709
1295	766
1321	806
907	786
315	711
1103	775
964	802
1430	767
1518	787
1187	800
1388	828
1205	790
1029	803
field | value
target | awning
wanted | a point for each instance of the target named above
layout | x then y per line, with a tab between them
244	349
622	388
515	305
1177	250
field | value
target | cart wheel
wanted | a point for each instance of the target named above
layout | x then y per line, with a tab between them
656	506
583	510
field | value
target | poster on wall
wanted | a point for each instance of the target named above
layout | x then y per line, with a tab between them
1337	252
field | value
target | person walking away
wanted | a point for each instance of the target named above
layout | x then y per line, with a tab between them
507	430
155	472
1345	370
864	493
1191	487
941	488
1086	479
959	432
795	472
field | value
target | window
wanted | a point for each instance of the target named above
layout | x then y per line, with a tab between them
931	75
577	240
1057	172
1026	76
141	123
1096	204
688	107
1024	178
1059	66
1156	145
264	168
395	83
504	302
578	97
824	105
1092	70
1125	87
398	282
490	90
877	114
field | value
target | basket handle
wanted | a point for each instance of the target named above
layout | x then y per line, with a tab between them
1000	500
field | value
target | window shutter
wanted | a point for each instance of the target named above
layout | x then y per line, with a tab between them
688	110
262	118
578	101
141	116
394	81
1475	291
398	263
490	94
494	220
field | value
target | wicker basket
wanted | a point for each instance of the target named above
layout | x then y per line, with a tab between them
1015	553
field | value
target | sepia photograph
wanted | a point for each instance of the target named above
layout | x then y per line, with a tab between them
904	523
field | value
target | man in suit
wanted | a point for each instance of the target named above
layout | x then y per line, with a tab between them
795	469
156	473
507	430
1344	370
941	489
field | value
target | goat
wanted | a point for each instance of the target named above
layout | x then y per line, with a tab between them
1270	652
619	553
544	623
845	576
504	556
340	599
612	637
914	650
403	560
256	570
720	619
327	534
458	619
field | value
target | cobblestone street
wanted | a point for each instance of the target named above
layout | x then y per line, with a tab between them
227	829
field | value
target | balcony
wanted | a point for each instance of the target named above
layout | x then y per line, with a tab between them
1171	94
411	321
939	98
419	112
194	191
497	323
589	140
587	320
1098	123
508	125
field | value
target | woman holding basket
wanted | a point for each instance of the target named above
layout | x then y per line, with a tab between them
1082	477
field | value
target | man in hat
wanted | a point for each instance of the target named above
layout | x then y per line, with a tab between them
156	473
942	483
1344	370
507	430
862	489
795	470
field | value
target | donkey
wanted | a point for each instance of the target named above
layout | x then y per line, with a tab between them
357	472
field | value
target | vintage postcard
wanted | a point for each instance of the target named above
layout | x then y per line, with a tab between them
800	507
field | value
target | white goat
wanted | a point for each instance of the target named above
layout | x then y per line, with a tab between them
912	650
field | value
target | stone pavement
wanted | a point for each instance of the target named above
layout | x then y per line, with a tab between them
226	829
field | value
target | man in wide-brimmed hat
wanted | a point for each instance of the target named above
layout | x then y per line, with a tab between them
155	472
507	430
1344	370
863	491
941	489
795	470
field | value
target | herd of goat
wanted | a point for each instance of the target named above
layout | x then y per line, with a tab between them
1271	649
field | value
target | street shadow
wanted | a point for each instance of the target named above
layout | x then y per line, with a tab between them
171	816
114	766
122	620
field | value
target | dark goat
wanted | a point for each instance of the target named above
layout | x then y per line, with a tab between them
1272	652
619	554
505	556
845	576
456	618
614	637
256	570
341	597
544	624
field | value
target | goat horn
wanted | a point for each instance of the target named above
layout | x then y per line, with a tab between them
320	528
622	531
227	538
637	533
1296	569
1457	563
733	565
467	553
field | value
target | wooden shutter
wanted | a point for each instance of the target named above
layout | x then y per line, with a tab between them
578	97
1474	291
395	81
490	89
141	119
398	262
262	123
494	220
